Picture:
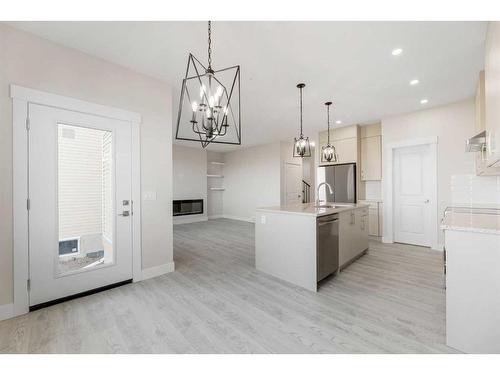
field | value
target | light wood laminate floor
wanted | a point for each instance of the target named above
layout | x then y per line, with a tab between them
390	301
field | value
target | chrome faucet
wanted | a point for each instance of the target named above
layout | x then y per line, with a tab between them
317	191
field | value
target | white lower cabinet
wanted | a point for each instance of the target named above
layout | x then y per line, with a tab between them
353	234
373	222
374	218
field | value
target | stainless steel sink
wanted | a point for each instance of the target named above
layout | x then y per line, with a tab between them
336	205
325	206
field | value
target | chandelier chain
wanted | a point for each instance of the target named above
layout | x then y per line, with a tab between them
209	44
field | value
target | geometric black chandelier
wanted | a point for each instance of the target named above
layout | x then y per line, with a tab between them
209	107
328	152
301	145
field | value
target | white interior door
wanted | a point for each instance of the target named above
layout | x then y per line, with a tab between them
80	228
293	183
412	192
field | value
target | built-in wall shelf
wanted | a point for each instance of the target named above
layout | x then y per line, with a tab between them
215	175
217	189
217	163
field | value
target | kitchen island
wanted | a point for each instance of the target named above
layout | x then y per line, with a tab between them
304	243
472	243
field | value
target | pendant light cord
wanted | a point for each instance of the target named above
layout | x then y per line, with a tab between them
301	112
209	44
328	121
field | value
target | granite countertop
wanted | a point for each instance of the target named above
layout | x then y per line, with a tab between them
472	222
310	209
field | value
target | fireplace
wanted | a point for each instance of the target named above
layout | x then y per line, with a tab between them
188	207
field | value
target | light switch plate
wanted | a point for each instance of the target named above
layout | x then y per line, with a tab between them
150	195
262	219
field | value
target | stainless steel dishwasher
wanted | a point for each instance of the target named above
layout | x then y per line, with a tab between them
327	246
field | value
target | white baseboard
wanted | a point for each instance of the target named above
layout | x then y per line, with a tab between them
189	219
212	217
162	269
247	219
438	247
387	239
6	311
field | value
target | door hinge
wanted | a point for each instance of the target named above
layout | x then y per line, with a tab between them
28	284
27	123
28	204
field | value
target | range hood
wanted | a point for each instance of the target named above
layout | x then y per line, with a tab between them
476	143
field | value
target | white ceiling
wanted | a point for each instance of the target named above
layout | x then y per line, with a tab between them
349	63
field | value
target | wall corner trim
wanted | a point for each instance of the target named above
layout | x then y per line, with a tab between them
6	311
149	273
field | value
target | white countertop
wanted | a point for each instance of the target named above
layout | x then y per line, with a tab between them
310	209
472	222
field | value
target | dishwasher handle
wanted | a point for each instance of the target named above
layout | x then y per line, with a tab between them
320	224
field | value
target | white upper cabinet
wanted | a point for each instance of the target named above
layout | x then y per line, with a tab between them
492	94
371	152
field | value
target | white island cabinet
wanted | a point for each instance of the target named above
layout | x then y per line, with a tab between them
472	243
287	240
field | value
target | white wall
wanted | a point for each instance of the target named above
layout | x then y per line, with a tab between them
190	178
252	179
36	63
452	124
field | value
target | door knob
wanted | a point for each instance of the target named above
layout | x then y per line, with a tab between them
124	213
426	201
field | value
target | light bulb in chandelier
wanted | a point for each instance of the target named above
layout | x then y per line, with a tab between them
218	93
302	147
329	154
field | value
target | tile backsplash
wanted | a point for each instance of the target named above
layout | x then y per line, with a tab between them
373	190
472	189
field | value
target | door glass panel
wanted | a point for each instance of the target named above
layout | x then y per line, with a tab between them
85	199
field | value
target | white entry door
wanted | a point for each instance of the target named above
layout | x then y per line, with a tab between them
293	183
80	228
412	192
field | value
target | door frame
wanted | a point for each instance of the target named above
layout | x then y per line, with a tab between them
21	98
388	173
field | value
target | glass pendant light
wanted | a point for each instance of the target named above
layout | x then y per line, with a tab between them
301	145
209	108
328	152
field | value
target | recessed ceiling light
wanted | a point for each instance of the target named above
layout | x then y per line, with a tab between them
397	51
414	82
338	122
424	101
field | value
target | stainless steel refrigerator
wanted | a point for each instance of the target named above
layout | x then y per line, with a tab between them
342	179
